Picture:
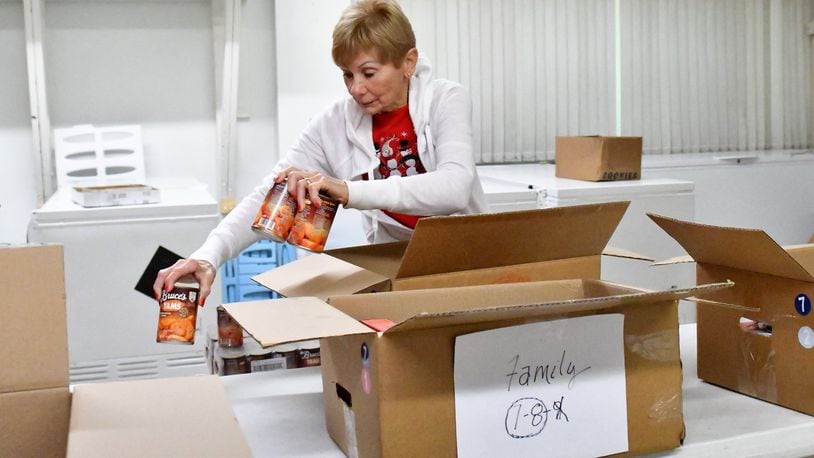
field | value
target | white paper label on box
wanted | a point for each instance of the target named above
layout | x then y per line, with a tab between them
555	388
350	431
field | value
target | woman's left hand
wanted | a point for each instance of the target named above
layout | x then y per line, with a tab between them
307	185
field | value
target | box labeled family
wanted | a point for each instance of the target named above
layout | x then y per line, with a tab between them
591	366
411	324
756	338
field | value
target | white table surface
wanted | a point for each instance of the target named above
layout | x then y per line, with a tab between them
280	413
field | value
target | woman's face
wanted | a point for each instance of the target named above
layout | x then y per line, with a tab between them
376	86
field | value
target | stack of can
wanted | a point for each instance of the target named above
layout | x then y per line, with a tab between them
228	354
279	220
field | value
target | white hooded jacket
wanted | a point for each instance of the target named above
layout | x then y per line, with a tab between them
339	143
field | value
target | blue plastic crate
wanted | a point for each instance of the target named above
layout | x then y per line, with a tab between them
263	255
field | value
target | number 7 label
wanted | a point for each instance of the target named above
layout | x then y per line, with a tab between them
803	304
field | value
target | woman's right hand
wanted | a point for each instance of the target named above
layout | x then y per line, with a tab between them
203	272
306	185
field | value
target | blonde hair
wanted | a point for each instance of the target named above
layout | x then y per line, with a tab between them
373	25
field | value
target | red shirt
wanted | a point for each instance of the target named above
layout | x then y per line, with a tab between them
397	149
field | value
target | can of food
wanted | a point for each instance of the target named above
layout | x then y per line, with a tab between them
178	310
287	354
308	354
230	334
262	359
312	225
276	215
210	347
232	361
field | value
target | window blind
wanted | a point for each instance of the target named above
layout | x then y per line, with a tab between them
722	75
535	68
693	75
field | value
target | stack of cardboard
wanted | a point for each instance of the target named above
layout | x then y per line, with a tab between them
113	195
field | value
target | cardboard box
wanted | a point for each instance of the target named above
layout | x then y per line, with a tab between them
393	393
596	158
755	338
108	196
546	244
42	416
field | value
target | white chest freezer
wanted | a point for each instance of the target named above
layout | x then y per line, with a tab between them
636	232
111	326
504	195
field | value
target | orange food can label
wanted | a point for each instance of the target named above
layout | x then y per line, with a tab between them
177	314
275	217
230	334
312	225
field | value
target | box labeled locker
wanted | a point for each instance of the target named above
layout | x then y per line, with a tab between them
598	158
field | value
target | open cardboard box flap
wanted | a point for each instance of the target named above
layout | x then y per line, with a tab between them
150	417
35	332
41	415
448	244
803	254
319	275
458	243
746	249
278	321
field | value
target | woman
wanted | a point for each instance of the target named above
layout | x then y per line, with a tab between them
400	147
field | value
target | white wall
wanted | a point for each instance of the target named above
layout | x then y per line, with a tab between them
145	62
148	63
771	193
308	79
17	179
257	96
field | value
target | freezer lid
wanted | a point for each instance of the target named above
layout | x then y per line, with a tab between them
541	177
500	191
524	174
565	188
176	202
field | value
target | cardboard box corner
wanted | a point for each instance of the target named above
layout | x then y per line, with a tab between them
598	158
40	416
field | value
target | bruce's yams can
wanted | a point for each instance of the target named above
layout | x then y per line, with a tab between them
276	215
279	220
312	224
177	313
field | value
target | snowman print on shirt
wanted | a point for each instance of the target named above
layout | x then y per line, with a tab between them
396	155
